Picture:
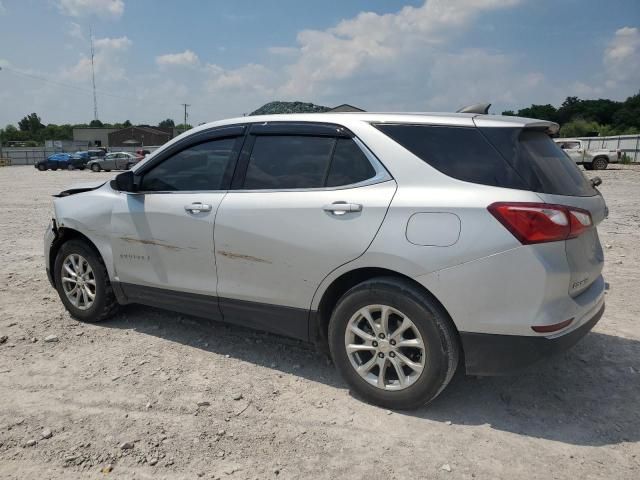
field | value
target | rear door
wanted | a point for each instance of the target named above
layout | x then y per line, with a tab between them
307	199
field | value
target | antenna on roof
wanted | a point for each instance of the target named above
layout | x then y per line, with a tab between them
475	108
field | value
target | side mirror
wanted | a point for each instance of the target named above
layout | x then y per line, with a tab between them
125	182
596	181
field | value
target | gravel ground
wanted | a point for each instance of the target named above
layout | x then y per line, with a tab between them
153	394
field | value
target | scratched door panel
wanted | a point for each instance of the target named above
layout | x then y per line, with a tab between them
276	247
157	243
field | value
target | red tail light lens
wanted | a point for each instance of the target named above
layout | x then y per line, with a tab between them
541	222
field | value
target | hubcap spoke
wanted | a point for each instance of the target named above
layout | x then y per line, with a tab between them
402	378
382	364
409	363
360	347
412	343
366	367
362	334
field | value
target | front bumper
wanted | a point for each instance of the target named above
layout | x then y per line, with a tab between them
49	237
490	354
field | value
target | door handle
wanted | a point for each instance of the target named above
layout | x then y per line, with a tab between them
197	207
340	208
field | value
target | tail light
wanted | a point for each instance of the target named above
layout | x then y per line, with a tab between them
541	222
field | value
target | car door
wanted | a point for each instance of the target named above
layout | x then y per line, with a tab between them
305	200
574	150
162	235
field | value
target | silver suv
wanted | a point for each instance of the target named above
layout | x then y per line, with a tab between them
406	245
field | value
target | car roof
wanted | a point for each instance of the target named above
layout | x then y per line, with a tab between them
428	118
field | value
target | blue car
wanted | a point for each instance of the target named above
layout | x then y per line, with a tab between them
62	160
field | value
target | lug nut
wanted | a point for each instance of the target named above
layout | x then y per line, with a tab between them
381	355
374	343
392	342
391	354
381	335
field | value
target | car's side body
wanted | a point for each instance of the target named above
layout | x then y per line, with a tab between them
60	161
279	259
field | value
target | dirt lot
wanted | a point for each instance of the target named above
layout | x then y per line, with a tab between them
194	399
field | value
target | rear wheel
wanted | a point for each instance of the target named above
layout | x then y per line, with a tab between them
83	283
600	163
393	344
95	167
42	168
70	167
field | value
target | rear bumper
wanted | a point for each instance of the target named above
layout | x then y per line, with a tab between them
490	354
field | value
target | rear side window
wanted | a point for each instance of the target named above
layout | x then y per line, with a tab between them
201	167
459	152
540	162
349	165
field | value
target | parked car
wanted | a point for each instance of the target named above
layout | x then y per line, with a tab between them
594	159
402	244
142	152
65	161
114	161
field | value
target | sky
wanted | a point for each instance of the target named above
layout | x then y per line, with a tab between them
226	58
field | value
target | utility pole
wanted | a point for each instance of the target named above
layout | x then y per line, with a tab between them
186	115
93	78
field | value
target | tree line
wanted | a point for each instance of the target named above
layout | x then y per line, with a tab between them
32	132
586	118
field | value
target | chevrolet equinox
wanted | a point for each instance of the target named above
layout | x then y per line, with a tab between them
406	245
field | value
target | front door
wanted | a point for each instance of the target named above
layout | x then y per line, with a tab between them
306	205
162	236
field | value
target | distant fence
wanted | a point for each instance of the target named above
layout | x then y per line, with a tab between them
32	155
629	144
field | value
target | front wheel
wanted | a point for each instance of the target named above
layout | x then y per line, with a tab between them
70	167
393	343
42	168
600	163
83	284
587	166
95	167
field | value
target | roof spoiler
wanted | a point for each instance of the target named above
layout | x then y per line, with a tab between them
482	108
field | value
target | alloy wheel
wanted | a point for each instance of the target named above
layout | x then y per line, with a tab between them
78	281
385	347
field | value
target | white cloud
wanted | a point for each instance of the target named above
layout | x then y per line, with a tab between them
79	8
75	31
622	58
186	58
108	61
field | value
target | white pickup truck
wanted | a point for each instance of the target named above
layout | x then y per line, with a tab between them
590	159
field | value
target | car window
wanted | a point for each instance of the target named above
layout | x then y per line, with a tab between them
200	167
288	161
349	164
459	152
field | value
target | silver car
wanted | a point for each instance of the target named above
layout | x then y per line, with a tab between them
114	161
405	245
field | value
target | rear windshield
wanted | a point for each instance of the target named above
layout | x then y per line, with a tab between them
501	157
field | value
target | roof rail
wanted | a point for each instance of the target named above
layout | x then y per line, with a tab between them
475	108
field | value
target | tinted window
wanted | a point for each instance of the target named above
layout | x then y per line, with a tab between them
200	167
459	152
283	161
540	162
349	164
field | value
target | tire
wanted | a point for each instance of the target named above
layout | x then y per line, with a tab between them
95	167
129	165
70	167
42	168
54	168
104	304
587	166
431	326
600	163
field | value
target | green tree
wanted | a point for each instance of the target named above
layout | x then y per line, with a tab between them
126	124
168	123
543	112
96	124
509	113
183	128
31	123
580	128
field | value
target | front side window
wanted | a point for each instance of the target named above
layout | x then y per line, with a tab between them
201	167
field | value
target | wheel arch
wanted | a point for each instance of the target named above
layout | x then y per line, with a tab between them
319	324
63	235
